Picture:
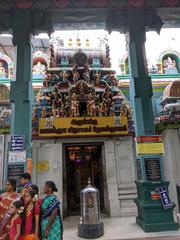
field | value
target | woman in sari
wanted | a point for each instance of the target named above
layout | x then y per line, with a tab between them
51	223
31	215
6	200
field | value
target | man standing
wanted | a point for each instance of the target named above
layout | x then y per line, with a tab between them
25	180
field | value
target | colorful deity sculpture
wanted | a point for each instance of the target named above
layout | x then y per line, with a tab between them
116	108
91	107
39	69
97	78
2	71
74	109
169	66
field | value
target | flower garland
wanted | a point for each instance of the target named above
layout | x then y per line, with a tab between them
21	210
35	198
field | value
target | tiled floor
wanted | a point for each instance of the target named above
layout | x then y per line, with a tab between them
118	229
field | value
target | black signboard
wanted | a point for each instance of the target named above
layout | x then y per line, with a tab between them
139	169
14	171
17	143
152	169
166	202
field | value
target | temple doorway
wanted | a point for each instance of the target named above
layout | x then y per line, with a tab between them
82	161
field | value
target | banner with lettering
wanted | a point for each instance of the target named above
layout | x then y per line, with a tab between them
82	126
165	200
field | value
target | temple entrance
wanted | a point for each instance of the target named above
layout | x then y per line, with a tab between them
82	162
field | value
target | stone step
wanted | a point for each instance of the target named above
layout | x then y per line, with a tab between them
128	212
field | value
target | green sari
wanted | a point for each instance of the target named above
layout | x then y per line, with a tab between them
49	204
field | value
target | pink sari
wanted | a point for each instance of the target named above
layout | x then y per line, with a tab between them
6	200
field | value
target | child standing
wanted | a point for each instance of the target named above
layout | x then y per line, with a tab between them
15	229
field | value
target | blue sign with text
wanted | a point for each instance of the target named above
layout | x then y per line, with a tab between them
166	202
17	143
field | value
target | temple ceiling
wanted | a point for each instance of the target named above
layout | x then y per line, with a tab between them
92	14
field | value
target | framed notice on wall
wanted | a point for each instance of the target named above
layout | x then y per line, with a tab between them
152	169
15	170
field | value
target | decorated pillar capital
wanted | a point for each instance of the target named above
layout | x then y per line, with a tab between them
25	21
121	20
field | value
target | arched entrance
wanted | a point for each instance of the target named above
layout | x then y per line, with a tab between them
82	161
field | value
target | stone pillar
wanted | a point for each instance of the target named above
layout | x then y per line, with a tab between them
21	86
141	87
111	176
152	217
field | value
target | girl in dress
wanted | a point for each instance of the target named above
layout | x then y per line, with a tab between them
30	227
15	229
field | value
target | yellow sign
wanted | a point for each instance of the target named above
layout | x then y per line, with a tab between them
150	148
83	126
43	166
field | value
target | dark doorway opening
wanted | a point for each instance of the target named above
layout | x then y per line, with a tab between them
82	109
82	162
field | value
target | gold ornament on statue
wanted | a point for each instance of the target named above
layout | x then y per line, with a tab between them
78	42
87	44
70	42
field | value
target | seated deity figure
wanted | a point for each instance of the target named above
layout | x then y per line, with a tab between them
74	109
169	66
2	71
39	69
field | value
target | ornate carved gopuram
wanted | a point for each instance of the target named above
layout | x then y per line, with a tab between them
80	84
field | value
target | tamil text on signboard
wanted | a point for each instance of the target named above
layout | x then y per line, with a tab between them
17	143
92	126
166	202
